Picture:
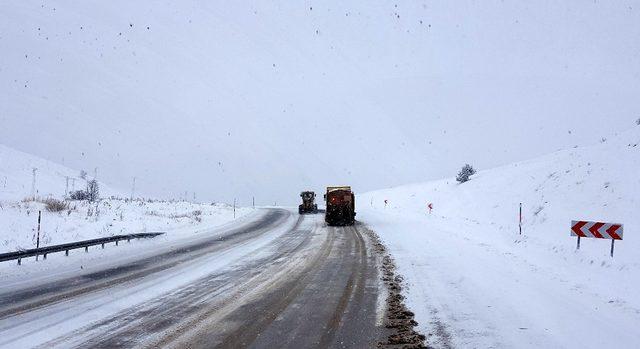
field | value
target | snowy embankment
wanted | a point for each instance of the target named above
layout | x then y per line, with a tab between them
83	220
108	217
473	281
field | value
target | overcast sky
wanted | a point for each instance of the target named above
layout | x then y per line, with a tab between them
266	99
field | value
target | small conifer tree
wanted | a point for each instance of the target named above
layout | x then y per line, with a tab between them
466	171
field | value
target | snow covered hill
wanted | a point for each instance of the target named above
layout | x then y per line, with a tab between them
475	282
51	179
83	220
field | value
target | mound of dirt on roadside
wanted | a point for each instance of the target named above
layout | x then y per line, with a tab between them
398	319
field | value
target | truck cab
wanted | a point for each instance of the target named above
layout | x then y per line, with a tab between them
308	203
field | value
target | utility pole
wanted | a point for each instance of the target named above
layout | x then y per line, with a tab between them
253	201
33	183
133	188
234	208
66	187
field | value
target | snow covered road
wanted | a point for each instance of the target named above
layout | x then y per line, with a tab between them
276	280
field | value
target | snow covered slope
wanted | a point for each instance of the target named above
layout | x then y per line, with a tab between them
83	220
475	282
16	177
108	217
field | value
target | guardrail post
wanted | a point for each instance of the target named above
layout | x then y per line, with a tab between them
103	246
19	261
66	253
128	240
116	242
44	256
86	249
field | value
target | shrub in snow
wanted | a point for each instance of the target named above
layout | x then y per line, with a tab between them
638	121
93	190
54	205
79	195
466	171
197	215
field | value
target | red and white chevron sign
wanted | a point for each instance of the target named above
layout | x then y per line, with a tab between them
597	230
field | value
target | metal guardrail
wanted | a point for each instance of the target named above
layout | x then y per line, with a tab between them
72	246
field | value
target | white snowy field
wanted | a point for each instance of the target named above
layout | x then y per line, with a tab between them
83	220
106	218
474	282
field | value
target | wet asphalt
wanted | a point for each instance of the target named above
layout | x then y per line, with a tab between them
313	287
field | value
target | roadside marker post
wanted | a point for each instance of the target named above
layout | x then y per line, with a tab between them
598	230
38	238
520	219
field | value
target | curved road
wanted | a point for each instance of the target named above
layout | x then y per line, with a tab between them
279	281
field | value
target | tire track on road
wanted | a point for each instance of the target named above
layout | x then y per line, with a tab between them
311	287
15	303
185	308
290	289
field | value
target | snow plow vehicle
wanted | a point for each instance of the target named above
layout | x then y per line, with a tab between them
308	203
341	206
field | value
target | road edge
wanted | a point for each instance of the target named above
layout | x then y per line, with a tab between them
398	319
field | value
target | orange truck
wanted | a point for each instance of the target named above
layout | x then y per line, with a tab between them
341	206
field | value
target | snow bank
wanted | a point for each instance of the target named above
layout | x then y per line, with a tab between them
108	217
83	220
475	282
